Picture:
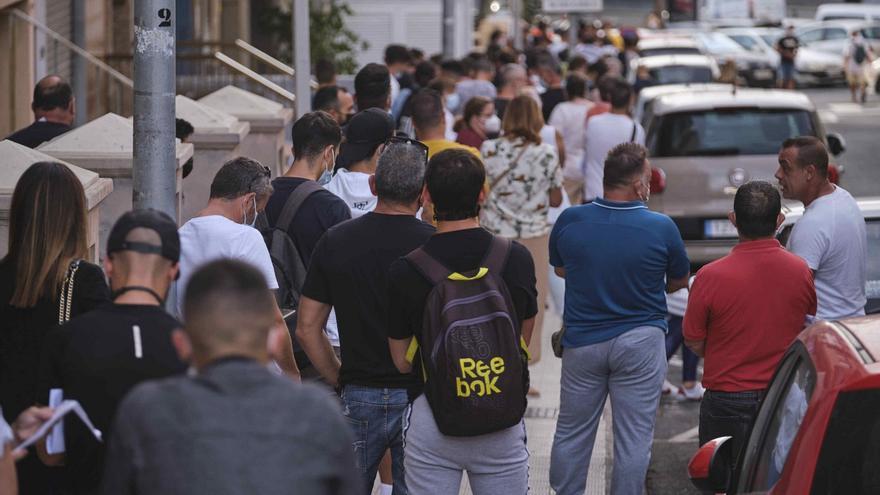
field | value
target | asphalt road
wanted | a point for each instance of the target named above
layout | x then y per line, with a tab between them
675	437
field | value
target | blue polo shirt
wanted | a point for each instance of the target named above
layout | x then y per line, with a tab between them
617	257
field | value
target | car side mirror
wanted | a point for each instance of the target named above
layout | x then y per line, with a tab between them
836	143
710	468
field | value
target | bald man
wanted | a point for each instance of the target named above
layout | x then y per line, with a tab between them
53	107
233	426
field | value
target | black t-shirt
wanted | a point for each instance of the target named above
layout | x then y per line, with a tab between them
97	359
459	251
787	46
319	212
349	270
549	100
38	133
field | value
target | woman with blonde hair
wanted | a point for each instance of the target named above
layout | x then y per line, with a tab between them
525	180
43	282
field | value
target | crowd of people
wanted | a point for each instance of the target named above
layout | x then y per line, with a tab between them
376	308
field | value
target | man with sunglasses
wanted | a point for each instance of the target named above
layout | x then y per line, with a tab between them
225	229
348	272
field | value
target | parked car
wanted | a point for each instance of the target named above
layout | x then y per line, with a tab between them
817	429
642	111
753	69
839	11
668	45
812	67
870	207
711	142
677	69
833	36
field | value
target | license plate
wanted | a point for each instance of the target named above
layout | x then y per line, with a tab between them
719	229
764	74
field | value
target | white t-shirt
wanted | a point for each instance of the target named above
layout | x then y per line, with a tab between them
354	189
206	239
604	132
832	239
570	119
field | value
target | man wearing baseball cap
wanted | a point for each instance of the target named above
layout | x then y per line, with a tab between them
365	136
96	358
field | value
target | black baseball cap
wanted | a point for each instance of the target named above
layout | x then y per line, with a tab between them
154	220
364	132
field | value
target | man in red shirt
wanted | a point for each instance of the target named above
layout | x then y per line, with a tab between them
743	312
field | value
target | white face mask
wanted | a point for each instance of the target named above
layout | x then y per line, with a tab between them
493	125
253	222
452	102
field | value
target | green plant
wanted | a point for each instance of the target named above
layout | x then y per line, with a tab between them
328	35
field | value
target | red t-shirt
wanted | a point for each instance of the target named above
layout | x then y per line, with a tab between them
748	306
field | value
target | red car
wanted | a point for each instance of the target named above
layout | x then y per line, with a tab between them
818	429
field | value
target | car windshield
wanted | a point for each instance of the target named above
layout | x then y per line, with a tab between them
729	131
747	42
669	50
680	74
770	39
851	449
718	44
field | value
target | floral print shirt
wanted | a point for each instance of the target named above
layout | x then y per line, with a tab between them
517	205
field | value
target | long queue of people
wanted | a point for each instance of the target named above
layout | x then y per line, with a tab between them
413	284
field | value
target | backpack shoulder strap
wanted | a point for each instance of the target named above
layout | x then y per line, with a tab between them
632	138
496	257
429	267
294	201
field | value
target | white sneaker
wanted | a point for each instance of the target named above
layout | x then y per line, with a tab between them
668	388
695	393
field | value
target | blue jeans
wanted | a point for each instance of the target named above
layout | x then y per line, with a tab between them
376	418
674	340
786	71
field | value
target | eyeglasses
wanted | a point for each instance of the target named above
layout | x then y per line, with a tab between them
408	141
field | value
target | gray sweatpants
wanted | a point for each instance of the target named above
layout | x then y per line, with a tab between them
495	463
630	368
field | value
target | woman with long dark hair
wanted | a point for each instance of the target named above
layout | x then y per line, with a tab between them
47	246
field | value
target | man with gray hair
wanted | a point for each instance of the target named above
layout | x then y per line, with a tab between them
513	79
348	272
225	229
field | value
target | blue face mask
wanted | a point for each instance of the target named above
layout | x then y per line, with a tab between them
452	102
325	178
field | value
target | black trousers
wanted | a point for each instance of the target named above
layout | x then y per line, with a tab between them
729	413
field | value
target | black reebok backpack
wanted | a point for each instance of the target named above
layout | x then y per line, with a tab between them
474	361
290	271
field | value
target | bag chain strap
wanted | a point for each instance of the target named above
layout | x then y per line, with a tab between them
66	298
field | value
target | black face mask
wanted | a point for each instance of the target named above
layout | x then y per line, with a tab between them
139	288
346	120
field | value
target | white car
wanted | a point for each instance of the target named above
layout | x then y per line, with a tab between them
642	110
812	67
709	143
833	36
840	11
677	69
668	45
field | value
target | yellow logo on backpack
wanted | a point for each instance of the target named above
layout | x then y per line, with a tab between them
479	378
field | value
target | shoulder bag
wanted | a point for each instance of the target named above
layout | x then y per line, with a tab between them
65	299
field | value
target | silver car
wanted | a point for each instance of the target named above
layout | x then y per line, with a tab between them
711	142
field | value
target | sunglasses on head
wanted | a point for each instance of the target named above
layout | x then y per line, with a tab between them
408	141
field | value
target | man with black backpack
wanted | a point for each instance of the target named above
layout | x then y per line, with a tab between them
461	309
299	212
857	55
